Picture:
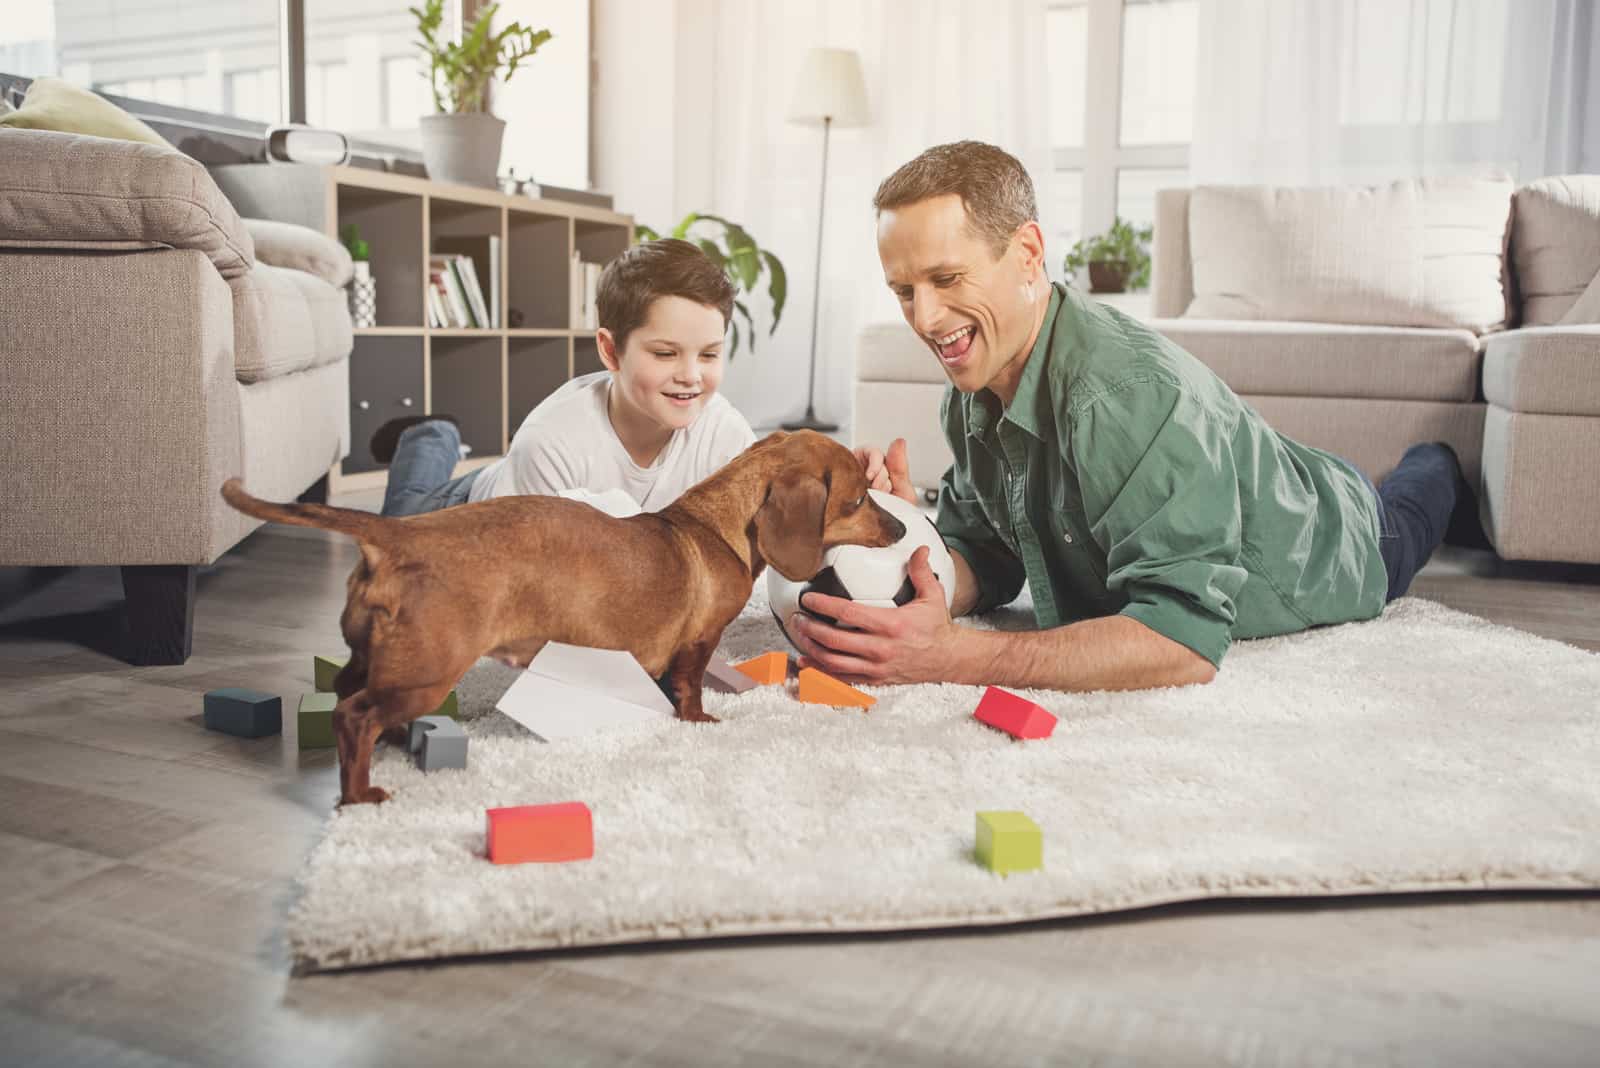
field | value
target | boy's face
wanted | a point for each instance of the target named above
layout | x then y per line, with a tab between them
672	363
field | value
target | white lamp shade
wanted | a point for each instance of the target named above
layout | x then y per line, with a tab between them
830	86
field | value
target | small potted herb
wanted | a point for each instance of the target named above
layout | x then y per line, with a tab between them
1118	259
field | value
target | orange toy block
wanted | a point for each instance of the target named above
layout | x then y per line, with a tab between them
548	833
818	688
767	669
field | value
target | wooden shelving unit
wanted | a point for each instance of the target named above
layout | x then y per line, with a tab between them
488	379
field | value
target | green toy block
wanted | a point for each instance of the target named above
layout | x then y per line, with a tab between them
325	669
450	706
1008	842
316	720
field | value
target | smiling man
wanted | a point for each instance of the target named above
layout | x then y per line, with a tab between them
1153	514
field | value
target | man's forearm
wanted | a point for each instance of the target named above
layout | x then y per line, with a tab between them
1110	653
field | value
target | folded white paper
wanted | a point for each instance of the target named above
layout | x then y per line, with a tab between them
569	690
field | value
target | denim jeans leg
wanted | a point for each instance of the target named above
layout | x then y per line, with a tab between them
1415	503
419	474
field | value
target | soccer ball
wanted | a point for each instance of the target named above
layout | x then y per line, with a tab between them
876	577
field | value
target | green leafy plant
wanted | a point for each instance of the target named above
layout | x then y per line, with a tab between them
736	252
1123	245
351	238
459	72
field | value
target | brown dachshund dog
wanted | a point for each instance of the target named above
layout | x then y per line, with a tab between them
435	592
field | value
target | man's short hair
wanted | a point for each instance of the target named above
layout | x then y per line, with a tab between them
647	272
993	186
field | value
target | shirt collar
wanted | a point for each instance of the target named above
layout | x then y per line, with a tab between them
1030	408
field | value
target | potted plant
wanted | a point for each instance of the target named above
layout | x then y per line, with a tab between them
461	143
736	252
363	289
1118	259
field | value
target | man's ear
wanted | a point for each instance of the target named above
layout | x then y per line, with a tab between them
789	525
1029	244
607	344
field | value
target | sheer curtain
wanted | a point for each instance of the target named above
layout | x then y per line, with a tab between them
935	70
1329	91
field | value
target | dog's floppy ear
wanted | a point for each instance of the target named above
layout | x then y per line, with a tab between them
789	525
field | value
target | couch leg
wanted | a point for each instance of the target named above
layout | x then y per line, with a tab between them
317	493
160	608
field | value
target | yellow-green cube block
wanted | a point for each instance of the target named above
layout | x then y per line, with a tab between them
316	720
325	669
1008	842
450	706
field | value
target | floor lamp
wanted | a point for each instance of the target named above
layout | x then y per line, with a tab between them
829	92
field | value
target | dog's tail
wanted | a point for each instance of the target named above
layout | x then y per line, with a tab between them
364	526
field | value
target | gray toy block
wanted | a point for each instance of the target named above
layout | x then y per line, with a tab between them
438	742
723	677
243	713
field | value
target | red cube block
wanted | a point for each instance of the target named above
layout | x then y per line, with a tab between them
1012	714
548	833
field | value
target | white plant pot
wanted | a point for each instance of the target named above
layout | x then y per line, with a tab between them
463	148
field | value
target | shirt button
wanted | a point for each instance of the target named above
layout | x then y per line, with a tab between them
1068	536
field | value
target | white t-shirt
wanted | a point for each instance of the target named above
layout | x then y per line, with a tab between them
568	447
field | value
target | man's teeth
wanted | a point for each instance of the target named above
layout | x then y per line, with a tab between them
953	336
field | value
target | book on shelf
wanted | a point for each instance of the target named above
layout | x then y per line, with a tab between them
483	265
583	284
436	313
461	316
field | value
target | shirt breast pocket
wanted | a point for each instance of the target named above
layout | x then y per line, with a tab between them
1071	542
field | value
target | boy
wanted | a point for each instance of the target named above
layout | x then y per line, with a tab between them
648	427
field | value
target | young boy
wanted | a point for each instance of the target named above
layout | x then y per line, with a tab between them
648	427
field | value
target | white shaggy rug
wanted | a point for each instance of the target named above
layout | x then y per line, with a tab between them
1427	750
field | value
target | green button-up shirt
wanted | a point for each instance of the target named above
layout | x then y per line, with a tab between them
1126	478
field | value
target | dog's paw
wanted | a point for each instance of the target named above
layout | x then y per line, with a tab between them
372	795
698	717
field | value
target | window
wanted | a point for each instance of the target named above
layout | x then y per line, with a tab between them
1121	75
213	55
365	75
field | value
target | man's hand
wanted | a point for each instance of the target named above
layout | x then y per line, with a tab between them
892	473
915	642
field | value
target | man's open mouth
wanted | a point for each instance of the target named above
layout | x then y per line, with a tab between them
956	344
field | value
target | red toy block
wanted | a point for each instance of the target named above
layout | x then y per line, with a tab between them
768	669
524	833
820	688
1012	714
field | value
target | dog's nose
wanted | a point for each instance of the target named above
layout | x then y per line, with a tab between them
894	528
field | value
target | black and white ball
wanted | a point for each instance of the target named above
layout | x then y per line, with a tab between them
876	577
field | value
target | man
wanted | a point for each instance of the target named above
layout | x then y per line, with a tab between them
1154	515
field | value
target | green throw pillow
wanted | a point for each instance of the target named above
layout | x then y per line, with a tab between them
54	104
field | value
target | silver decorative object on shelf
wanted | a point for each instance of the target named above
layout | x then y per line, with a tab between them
363	296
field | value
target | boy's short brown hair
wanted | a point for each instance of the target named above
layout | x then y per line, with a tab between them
992	183
669	267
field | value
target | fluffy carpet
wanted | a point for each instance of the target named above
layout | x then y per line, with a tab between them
1427	750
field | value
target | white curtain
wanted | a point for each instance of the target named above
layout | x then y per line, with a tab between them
935	71
1308	92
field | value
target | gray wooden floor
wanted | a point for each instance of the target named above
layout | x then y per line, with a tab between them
147	866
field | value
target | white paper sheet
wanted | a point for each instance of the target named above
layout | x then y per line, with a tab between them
569	691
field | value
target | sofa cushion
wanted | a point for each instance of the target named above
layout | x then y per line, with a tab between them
286	321
1425	252
300	248
892	352
59	190
1544	370
1329	360
1555	245
56	104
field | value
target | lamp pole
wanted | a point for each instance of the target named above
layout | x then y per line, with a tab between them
810	421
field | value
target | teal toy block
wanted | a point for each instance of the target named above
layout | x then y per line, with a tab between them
438	742
243	713
316	720
325	669
1008	842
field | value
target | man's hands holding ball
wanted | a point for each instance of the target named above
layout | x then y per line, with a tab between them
911	643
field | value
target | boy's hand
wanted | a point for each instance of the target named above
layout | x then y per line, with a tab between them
892	473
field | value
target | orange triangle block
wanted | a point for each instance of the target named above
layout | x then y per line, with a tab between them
819	689
767	669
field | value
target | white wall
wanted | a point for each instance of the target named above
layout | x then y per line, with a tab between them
546	102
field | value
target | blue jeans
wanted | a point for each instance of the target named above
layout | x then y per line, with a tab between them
1414	506
419	474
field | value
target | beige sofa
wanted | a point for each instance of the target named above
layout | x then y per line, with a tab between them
151	351
1420	352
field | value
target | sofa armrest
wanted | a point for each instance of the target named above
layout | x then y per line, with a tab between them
61	190
1172	272
120	416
